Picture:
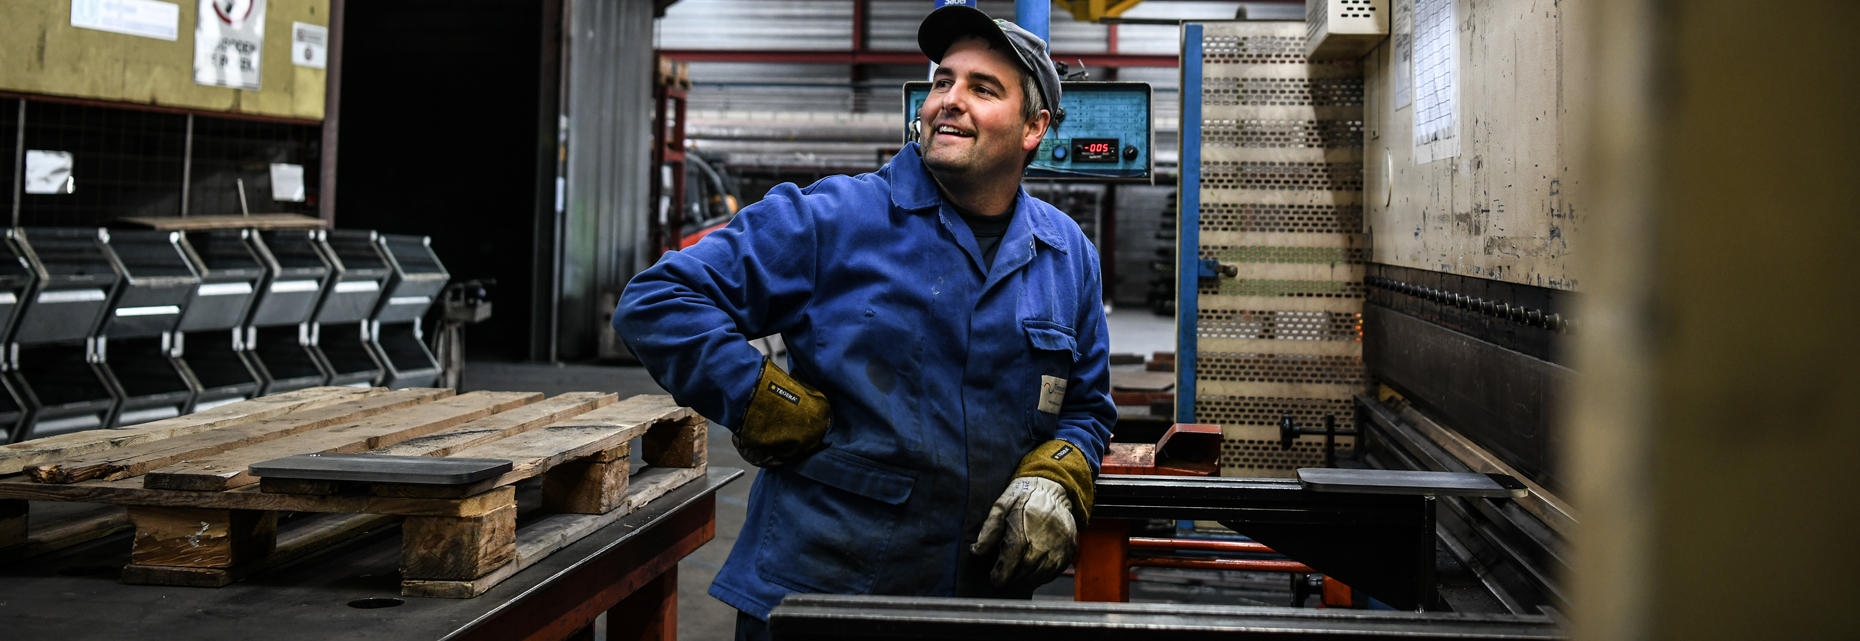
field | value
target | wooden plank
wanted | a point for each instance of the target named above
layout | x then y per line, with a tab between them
16	457
594	485
501	425
450	440
228	470
201	537
546	535
533	453
137	459
131	492
64	533
205	223
455	548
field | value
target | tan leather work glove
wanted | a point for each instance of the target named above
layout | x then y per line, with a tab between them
1036	520
785	421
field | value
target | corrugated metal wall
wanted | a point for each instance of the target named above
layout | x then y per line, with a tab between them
601	228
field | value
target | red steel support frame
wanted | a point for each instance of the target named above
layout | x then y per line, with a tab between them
1102	566
668	150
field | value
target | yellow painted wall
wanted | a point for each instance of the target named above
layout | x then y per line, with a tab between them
41	53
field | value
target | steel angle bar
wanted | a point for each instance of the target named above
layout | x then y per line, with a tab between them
821	616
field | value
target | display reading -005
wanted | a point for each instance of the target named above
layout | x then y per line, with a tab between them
1105	137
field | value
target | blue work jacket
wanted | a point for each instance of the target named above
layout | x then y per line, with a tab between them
932	363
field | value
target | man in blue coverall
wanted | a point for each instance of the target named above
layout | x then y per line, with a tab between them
948	400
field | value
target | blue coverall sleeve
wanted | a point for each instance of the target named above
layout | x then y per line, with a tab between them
690	317
1087	415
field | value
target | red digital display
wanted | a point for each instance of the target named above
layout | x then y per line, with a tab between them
1094	150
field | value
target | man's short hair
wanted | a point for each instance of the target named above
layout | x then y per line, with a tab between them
1031	102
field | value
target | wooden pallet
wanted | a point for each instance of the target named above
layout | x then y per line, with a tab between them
201	519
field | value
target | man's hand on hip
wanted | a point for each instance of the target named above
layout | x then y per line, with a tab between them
785	421
1035	522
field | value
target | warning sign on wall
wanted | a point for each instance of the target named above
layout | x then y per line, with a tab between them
229	35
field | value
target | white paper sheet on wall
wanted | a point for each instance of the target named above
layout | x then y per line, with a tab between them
1436	94
146	18
49	172
287	182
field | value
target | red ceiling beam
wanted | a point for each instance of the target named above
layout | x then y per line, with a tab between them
896	57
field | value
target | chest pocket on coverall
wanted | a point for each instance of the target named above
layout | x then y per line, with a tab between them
1054	351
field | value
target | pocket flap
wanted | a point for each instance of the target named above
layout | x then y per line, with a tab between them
1052	336
859	475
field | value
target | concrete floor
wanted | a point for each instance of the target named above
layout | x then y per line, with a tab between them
701	617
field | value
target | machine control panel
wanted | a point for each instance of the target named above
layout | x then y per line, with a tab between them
1106	137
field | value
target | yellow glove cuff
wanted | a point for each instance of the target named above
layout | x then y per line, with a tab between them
1062	462
786	419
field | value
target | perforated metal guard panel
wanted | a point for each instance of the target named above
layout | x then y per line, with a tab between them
1275	182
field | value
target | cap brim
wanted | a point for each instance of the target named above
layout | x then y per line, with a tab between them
947	24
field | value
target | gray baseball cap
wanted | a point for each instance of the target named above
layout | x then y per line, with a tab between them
947	24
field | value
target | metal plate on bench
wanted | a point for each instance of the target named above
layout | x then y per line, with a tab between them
425	470
1322	479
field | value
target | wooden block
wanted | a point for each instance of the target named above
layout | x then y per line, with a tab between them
18	456
142	457
676	443
227	470
13	513
593	485
201	537
460	549
548	534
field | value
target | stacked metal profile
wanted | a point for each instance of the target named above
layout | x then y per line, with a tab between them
1273	188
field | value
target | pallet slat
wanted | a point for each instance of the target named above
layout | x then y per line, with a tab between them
18	456
227	470
137	459
534	452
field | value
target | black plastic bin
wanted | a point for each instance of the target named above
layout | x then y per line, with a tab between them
343	319
232	275
417	281
17	280
54	369
279	341
137	349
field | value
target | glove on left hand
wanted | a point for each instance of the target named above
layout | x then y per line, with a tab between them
1032	522
785	421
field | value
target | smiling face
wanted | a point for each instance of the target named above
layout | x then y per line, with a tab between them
972	122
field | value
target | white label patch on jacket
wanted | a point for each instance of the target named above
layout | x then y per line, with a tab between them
1052	393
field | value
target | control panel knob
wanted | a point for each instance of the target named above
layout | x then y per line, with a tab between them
1130	152
1059	152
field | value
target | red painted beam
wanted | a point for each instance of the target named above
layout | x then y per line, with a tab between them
895	57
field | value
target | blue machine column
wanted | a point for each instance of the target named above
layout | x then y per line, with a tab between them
1035	16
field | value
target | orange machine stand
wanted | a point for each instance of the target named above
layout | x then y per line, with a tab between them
1101	572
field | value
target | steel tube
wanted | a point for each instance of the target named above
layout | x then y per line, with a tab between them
1242	565
1244	547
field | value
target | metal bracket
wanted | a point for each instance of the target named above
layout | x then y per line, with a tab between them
1211	269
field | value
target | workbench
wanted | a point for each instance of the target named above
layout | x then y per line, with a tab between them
628	568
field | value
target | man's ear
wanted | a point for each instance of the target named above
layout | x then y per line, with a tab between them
1030	137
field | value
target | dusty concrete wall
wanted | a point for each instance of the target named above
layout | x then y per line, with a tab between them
41	53
1509	206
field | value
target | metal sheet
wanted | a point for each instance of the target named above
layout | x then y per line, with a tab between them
823	616
1505	401
372	468
1321	479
